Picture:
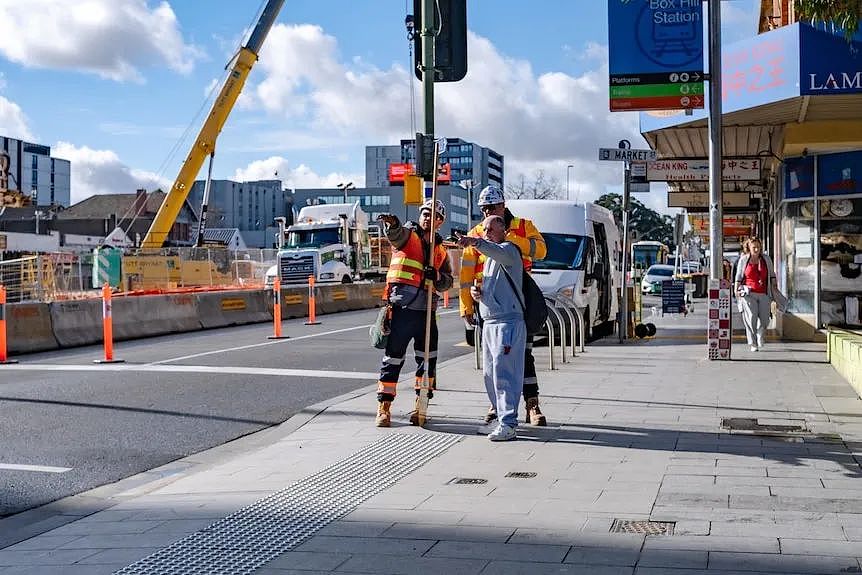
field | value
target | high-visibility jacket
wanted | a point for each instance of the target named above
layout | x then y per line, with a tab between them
521	232
406	265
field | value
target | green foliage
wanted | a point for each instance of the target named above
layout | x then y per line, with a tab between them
645	222
843	14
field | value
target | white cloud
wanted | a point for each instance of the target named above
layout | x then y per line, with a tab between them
302	176
110	38
13	121
102	172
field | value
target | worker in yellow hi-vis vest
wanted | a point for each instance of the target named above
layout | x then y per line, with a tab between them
523	233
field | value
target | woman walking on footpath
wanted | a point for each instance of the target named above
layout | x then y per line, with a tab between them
754	278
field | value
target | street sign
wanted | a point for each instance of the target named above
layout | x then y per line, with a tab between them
624	155
732	170
639	187
656	54
638	169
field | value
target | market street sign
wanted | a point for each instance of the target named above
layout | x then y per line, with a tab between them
732	170
656	54
626	155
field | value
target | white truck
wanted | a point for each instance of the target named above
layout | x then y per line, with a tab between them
584	257
333	243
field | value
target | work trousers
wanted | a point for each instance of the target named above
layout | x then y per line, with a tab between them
531	383
755	317
407	324
503	367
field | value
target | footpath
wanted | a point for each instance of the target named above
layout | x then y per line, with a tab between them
655	461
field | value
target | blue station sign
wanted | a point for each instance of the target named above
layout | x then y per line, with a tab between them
656	54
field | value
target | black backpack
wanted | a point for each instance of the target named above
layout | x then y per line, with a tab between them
533	304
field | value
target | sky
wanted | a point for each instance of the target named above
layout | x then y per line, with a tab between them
121	87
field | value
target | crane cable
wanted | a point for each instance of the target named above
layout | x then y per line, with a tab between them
195	121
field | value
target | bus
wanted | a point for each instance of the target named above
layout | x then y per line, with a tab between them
646	253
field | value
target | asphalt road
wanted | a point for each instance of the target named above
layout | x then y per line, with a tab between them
174	396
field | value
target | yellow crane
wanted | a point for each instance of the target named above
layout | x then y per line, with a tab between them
205	143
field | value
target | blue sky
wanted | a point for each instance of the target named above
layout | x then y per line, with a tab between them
113	84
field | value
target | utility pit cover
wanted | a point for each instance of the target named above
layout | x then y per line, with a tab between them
642	527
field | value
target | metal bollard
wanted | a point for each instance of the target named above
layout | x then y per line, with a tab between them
550	325
276	310
107	328
312	305
4	359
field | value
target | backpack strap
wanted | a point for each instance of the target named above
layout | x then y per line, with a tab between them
514	289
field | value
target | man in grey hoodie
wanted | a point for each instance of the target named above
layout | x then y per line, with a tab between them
504	334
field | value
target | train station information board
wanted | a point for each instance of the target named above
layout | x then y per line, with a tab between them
656	54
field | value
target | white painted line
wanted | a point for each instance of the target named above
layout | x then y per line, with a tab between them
37	468
275	342
230	370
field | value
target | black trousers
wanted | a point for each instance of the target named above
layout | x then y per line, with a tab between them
406	325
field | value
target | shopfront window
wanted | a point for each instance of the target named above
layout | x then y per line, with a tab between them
798	236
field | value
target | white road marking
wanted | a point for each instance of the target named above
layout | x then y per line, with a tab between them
276	342
37	468
269	371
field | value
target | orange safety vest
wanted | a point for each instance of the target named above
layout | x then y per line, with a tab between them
406	266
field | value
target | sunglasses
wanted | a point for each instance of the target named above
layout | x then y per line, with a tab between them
491	208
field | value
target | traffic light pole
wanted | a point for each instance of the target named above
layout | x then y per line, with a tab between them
427	33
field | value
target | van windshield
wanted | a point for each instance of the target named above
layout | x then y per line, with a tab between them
565	252
314	238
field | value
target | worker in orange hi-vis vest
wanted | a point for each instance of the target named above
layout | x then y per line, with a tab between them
410	271
523	233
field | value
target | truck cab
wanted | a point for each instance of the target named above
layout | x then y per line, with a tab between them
331	242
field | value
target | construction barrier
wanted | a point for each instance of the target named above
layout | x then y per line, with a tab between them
29	328
77	322
107	327
150	315
227	308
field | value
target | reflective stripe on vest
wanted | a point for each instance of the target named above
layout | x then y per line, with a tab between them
406	267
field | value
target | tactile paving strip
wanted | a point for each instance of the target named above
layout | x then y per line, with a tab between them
251	537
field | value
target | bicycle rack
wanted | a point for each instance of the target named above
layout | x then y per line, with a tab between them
550	325
549	303
477	345
582	328
572	320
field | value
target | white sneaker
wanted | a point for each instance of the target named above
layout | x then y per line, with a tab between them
488	427
503	433
755	348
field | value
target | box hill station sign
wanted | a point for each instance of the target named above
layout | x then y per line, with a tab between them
656	54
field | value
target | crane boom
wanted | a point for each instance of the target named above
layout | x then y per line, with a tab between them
205	142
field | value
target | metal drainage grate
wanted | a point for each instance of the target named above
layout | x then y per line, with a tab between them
642	527
243	541
468	481
521	474
751	424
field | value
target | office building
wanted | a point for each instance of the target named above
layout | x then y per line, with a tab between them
33	172
251	207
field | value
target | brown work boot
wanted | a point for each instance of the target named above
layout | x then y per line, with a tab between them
534	414
384	417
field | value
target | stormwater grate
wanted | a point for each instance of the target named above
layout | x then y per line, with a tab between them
468	481
753	425
642	527
243	541
521	474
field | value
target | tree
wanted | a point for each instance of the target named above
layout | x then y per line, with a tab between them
647	224
539	188
844	14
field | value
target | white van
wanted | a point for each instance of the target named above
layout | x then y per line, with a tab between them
583	260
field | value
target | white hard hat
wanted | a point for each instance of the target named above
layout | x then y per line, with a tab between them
491	195
441	208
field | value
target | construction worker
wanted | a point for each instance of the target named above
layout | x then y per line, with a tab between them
522	233
411	270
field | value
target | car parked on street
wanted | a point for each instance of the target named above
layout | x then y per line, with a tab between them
655	274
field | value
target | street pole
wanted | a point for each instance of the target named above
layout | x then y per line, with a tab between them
716	216
428	20
569	167
624	296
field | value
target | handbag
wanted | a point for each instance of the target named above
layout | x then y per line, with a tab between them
378	333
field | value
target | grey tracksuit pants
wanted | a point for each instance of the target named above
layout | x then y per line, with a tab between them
755	316
503	365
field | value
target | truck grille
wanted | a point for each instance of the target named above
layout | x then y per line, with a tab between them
296	269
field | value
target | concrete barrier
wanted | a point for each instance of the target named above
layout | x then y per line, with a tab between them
149	315
226	308
845	355
77	322
29	328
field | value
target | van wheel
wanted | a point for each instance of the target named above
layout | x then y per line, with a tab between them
346	279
